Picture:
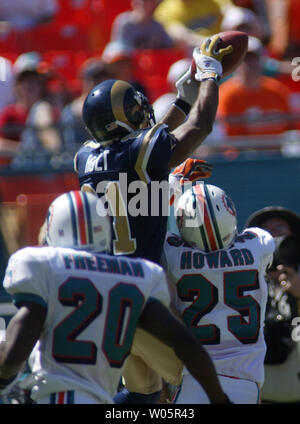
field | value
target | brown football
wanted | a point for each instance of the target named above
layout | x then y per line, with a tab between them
239	42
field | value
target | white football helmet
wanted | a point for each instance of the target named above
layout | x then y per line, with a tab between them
206	217
72	221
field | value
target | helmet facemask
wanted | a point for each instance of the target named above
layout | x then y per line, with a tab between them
146	109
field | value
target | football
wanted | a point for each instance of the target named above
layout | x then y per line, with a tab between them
239	42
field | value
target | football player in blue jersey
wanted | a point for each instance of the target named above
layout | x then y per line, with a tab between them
131	153
129	147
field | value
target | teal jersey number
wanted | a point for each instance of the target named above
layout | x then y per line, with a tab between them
204	297
245	326
125	303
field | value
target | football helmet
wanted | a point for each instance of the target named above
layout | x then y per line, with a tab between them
206	217
113	109
73	220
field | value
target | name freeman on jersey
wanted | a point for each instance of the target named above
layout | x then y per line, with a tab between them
101	264
116	194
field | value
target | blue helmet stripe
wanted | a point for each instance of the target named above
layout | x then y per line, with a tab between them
73	220
88	217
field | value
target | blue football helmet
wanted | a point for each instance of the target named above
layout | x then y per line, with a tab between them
113	109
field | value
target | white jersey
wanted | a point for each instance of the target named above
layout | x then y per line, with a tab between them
222	298
93	303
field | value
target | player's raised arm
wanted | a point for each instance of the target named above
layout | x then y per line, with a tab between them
202	115
161	323
187	93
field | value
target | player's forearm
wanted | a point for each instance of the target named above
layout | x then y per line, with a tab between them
193	132
7	370
206	373
22	333
203	113
174	117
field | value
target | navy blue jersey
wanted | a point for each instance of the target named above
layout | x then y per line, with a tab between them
137	160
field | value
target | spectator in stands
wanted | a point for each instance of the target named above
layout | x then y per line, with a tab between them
293	45
40	133
92	72
278	11
189	22
163	103
23	14
138	29
260	10
282	362
285	43
13	116
252	104
6	83
243	19
119	60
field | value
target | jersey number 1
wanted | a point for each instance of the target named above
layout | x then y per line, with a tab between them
124	243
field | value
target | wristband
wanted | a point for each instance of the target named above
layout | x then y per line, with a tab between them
6	381
183	106
212	79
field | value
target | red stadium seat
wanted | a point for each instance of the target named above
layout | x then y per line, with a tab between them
9	41
9	55
31	212
152	66
24	202
68	36
31	207
12	185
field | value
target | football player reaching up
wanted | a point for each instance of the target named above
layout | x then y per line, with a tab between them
219	289
130	151
83	305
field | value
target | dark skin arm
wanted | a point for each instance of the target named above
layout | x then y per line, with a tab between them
22	333
192	132
173	118
157	320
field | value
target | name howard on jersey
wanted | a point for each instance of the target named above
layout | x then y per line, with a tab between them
218	259
102	264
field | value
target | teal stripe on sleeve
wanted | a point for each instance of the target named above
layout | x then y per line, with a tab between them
20	298
70	396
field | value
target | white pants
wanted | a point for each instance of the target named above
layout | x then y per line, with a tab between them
69	397
239	391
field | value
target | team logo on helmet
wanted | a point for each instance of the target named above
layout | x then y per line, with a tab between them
229	206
